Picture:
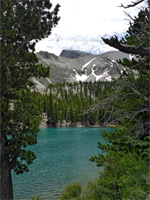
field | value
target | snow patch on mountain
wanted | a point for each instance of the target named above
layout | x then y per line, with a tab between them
131	56
78	77
104	75
84	77
84	67
86	64
96	76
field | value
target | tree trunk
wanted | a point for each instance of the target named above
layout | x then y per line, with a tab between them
6	188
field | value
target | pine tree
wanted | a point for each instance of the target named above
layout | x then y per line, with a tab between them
50	109
23	23
128	148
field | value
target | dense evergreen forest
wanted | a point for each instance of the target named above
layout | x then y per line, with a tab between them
70	102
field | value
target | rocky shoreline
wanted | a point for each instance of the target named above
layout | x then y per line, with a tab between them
65	124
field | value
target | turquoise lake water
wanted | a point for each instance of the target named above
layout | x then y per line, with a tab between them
62	158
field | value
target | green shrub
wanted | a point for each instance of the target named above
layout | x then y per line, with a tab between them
36	198
71	191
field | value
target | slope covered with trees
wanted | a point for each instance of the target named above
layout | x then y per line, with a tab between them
66	104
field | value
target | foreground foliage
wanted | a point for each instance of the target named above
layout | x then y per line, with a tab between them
71	191
23	23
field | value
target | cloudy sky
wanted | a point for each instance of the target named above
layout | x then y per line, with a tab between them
84	22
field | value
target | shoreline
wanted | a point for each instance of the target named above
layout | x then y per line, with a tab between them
46	125
68	124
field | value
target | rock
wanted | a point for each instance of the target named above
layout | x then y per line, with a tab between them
79	125
64	124
73	54
46	55
43	123
58	125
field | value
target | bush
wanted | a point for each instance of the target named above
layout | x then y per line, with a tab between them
71	191
36	198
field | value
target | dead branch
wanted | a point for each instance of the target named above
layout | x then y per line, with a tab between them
133	4
113	42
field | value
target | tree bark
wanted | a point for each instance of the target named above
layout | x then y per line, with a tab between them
6	188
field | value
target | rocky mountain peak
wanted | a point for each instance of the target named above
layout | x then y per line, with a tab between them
73	54
47	55
74	66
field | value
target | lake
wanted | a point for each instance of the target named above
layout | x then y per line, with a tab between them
62	158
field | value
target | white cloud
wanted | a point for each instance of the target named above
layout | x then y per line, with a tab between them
84	22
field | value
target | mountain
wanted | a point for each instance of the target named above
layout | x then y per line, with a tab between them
73	54
74	65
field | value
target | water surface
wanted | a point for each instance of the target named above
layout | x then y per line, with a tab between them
62	158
